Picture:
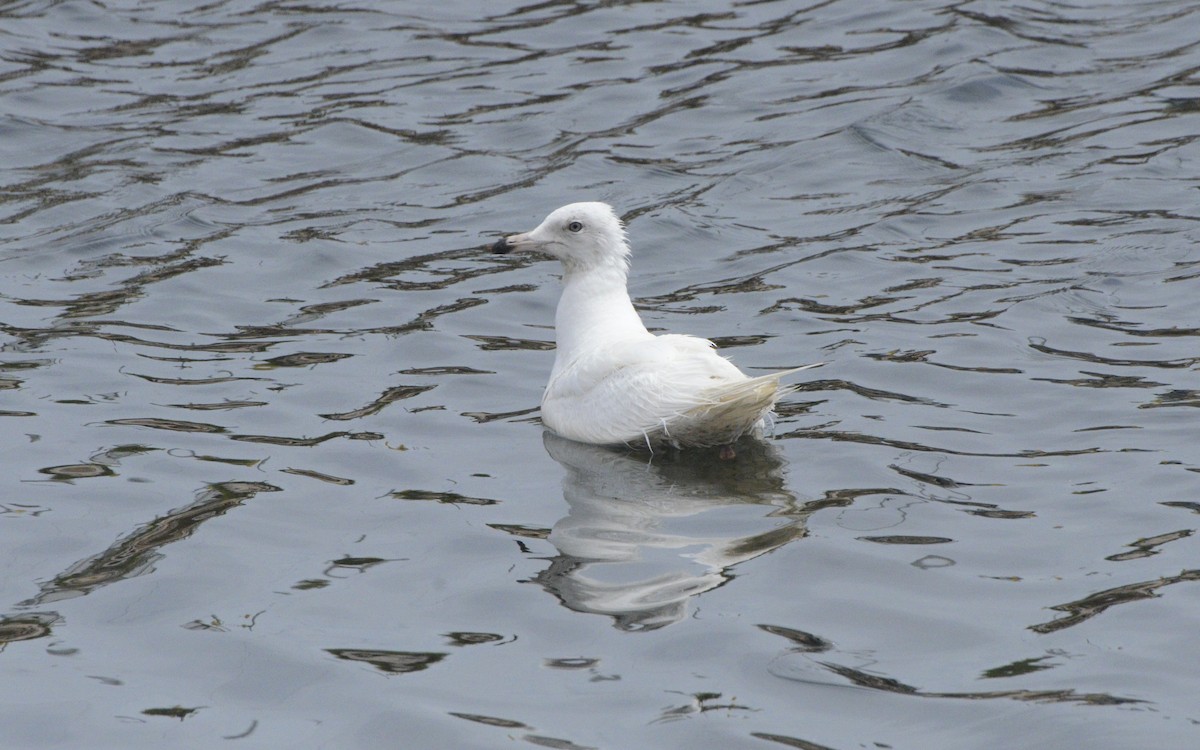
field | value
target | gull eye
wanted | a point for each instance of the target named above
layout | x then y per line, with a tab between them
575	226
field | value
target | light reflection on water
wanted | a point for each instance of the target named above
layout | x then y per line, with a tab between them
273	455
644	536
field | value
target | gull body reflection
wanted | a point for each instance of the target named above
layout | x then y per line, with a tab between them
644	534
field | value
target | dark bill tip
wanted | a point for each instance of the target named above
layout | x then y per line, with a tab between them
501	247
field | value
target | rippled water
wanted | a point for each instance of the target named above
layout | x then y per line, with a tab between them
274	471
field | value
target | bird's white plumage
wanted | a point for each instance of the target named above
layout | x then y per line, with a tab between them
613	381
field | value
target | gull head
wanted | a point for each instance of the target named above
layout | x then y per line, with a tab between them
581	235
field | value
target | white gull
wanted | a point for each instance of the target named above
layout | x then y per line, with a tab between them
613	381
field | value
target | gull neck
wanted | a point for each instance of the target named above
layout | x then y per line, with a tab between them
594	309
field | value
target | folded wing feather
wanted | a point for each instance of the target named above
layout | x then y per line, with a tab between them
669	388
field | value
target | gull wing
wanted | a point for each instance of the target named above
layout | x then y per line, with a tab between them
670	388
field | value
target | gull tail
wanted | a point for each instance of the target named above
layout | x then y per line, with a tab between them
783	391
759	393
731	411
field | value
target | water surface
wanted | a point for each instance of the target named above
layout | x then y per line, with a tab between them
274	475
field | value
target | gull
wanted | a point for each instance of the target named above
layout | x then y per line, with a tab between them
615	383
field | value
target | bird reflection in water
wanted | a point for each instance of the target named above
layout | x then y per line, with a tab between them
644	534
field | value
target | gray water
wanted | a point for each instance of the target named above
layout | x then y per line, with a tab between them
273	474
